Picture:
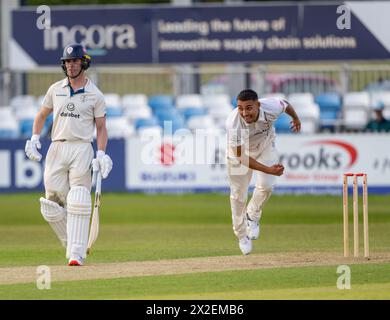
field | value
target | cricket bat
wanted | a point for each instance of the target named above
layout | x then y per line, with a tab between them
94	229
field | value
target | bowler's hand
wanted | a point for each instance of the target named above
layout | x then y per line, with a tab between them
276	169
295	125
32	147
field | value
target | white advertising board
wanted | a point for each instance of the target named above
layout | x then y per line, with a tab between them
313	163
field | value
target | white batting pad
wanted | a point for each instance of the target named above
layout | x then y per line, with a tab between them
55	215
79	212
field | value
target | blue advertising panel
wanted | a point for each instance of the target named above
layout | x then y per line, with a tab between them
19	174
112	36
225	34
320	36
216	33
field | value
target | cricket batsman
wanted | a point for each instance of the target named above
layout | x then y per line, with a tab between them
77	106
251	147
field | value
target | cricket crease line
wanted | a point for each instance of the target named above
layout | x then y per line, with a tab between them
27	274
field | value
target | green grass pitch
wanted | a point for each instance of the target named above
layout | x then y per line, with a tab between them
137	227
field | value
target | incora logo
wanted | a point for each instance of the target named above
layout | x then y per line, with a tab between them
326	154
94	37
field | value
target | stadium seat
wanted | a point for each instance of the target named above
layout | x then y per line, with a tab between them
161	102
214	100
166	113
6	113
330	110
189	101
25	127
220	114
355	119
112	100
300	98
360	99
143	123
112	112
9	126
130	101
219	107
157	109
201	122
221	110
282	124
113	105
22	101
26	113
152	131
177	124
119	127
307	110
172	116
308	114
310	120
309	125
355	110
278	95
191	112
141	112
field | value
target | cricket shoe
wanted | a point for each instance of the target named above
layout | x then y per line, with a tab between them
245	245
252	228
76	261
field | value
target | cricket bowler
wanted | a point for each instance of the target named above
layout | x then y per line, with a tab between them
77	106
251	147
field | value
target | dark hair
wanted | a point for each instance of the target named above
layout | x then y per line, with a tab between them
247	94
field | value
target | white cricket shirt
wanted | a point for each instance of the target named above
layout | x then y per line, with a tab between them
254	135
74	113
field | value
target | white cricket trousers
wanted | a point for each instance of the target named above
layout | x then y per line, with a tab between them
239	179
68	164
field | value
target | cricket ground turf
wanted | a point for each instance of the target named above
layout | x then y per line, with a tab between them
183	247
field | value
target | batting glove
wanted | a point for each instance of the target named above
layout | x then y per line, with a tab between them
32	147
105	163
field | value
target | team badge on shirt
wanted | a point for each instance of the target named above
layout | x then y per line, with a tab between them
71	106
84	98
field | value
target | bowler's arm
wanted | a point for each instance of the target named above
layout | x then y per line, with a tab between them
276	170
295	122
